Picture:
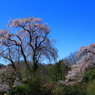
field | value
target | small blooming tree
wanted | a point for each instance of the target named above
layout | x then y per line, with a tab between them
86	60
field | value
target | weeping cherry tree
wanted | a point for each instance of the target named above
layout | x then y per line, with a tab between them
27	39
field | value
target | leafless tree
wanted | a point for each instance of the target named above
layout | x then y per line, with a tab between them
71	59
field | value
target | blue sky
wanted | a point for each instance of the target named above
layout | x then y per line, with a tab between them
72	22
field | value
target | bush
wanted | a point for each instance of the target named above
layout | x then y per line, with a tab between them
89	75
33	85
91	88
79	89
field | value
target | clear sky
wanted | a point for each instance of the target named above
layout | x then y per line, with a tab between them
72	22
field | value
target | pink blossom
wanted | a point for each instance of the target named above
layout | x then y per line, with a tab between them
4	87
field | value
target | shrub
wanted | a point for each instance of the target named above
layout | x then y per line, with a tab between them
89	75
91	88
33	85
79	89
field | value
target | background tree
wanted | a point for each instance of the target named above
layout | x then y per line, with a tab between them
71	59
58	71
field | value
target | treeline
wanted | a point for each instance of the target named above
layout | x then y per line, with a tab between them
49	79
40	82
